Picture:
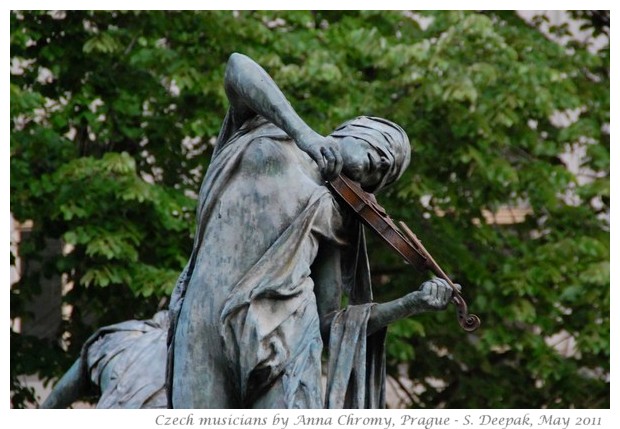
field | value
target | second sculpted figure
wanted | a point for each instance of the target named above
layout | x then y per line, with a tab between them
274	252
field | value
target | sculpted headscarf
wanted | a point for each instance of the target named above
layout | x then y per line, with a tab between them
386	137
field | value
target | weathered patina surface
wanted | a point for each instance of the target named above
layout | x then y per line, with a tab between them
260	296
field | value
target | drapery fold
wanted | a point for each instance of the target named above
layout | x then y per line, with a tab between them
269	325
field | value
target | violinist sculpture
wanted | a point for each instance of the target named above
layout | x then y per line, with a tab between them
275	248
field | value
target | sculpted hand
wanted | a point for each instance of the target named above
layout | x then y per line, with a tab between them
325	151
434	294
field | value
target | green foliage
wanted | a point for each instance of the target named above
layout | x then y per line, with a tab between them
108	149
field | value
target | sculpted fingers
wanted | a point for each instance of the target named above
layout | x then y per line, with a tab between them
332	159
329	161
445	292
339	161
437	293
325	152
459	288
316	154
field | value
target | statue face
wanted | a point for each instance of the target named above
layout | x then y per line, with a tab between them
362	162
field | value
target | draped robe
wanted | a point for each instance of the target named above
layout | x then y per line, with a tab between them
245	329
126	361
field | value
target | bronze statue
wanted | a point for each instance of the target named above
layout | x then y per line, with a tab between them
274	251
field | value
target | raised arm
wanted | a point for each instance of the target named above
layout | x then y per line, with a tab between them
251	91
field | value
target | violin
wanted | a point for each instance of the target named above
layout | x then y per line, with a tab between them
402	240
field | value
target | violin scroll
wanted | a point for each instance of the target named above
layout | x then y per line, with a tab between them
469	322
